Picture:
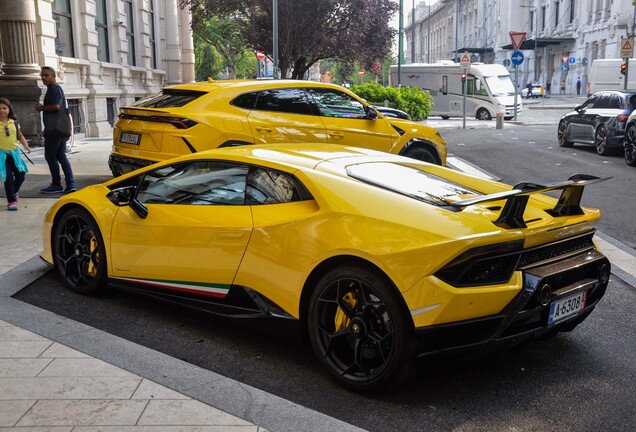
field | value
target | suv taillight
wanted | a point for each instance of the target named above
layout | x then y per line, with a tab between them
623	117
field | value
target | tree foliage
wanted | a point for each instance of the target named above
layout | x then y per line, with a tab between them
416	102
308	30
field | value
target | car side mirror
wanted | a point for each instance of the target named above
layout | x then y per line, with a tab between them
371	113
125	196
579	108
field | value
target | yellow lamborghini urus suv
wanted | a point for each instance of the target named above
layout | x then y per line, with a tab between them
188	118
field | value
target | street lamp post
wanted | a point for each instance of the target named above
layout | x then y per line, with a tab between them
275	36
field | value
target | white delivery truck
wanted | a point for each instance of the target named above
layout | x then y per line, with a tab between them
489	88
605	74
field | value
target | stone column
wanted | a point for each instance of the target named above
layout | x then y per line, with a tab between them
173	48
187	46
20	80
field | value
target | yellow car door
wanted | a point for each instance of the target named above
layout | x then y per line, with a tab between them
284	115
195	233
346	121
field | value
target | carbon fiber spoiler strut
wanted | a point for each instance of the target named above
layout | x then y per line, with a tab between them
511	216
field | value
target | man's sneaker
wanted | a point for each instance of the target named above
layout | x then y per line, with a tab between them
70	188
52	188
12	206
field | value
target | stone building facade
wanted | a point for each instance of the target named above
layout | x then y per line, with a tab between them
107	54
563	37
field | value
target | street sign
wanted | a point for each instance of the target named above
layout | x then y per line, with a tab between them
517	58
361	72
572	60
464	61
564	67
506	62
627	48
260	55
517	39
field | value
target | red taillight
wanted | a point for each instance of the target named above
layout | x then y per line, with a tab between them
623	117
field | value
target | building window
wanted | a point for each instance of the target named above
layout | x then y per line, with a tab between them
74	111
532	21
130	32
572	2
110	110
64	32
543	15
101	25
556	14
151	18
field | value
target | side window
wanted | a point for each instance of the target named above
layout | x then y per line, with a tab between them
604	101
196	183
618	102
292	101
632	103
480	89
591	102
332	103
266	186
470	85
246	100
444	88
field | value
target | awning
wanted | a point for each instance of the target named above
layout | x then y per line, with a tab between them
529	44
482	50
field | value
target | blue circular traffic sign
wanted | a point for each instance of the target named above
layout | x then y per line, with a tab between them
564	68
572	60
517	58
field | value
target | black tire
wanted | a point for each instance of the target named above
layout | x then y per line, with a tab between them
78	252
359	329
629	145
562	134
422	154
483	114
600	141
445	117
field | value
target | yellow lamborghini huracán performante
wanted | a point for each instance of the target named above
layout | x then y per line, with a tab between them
381	257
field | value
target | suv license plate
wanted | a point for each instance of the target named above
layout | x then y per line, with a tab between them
566	307
129	138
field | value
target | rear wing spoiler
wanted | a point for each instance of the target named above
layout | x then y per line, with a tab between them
511	216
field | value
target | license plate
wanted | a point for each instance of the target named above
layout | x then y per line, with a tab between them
566	307
129	138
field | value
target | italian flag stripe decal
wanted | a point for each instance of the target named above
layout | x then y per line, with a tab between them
214	290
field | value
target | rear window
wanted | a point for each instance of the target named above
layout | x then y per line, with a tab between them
169	99
411	182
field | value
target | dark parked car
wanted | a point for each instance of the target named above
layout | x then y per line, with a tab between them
393	112
629	143
600	121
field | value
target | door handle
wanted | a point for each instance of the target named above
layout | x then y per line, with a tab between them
230	235
263	129
336	134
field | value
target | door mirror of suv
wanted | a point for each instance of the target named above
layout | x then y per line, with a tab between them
371	112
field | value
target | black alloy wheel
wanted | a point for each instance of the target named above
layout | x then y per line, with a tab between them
483	114
421	154
562	134
630	145
78	252
600	141
359	330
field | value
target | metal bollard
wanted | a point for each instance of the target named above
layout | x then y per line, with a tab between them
499	118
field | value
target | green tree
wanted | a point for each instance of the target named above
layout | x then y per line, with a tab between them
309	30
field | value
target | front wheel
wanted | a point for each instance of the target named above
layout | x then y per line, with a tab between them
483	114
630	146
600	141
359	330
78	252
562	135
421	154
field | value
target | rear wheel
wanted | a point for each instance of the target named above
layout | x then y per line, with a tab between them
445	117
483	114
600	141
359	330
78	252
630	146
562	135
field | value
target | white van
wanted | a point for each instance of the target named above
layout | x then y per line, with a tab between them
605	74
489	88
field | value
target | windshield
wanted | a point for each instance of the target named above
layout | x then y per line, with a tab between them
500	85
409	181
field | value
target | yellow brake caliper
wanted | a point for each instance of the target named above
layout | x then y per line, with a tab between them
341	320
92	266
